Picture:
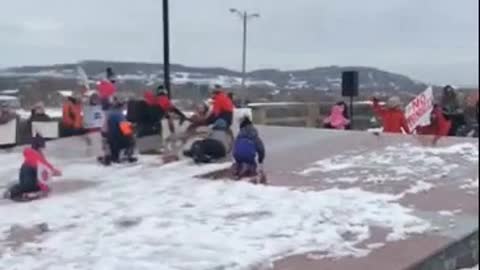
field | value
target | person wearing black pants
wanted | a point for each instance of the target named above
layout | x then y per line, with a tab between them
214	147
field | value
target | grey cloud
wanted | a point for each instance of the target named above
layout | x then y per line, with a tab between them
429	40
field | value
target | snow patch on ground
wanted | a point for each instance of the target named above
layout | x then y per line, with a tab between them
150	217
420	167
471	185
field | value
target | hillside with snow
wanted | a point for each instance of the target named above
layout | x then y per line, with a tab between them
321	78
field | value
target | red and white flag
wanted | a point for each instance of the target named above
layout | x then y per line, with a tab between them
44	174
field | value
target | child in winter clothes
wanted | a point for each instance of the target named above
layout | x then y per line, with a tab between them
29	184
392	116
336	120
119	136
214	147
247	147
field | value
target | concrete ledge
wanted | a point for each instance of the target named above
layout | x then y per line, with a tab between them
460	254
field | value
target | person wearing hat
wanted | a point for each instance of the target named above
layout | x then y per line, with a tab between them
29	186
248	146
392	116
214	147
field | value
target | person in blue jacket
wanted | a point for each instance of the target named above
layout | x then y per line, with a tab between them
248	147
119	136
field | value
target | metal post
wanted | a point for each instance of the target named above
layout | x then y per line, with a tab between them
244	54
166	49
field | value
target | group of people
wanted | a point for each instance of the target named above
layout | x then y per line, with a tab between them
101	111
447	117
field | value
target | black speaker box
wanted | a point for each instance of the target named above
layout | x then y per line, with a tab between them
350	83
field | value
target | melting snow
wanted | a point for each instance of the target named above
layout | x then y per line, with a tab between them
418	166
146	217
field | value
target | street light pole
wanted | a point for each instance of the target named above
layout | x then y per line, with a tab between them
244	50
245	16
166	49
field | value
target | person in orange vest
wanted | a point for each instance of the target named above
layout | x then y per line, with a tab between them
72	120
165	107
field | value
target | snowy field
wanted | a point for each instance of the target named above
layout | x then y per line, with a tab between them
151	217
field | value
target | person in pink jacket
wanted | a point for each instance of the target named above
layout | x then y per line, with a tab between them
336	119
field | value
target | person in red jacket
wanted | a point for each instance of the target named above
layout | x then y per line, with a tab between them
29	186
166	107
439	125
222	107
392	116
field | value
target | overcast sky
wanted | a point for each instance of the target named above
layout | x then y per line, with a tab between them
430	40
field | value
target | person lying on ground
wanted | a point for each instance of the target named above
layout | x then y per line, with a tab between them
214	147
29	185
392	116
248	146
439	125
336	119
119	136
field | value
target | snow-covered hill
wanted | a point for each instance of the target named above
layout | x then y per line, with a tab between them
322	79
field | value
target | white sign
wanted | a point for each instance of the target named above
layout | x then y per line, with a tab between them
418	111
8	133
44	174
48	130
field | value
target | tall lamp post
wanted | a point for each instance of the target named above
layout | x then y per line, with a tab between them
245	16
166	49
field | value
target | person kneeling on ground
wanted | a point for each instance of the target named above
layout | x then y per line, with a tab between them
214	147
119	136
247	147
29	186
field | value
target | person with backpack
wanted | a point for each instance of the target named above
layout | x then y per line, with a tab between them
248	147
30	186
119	136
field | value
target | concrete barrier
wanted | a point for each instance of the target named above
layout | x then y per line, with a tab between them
8	133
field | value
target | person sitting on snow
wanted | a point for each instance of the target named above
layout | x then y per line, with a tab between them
214	147
29	186
247	147
119	136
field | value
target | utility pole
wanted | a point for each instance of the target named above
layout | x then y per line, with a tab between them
166	49
245	16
